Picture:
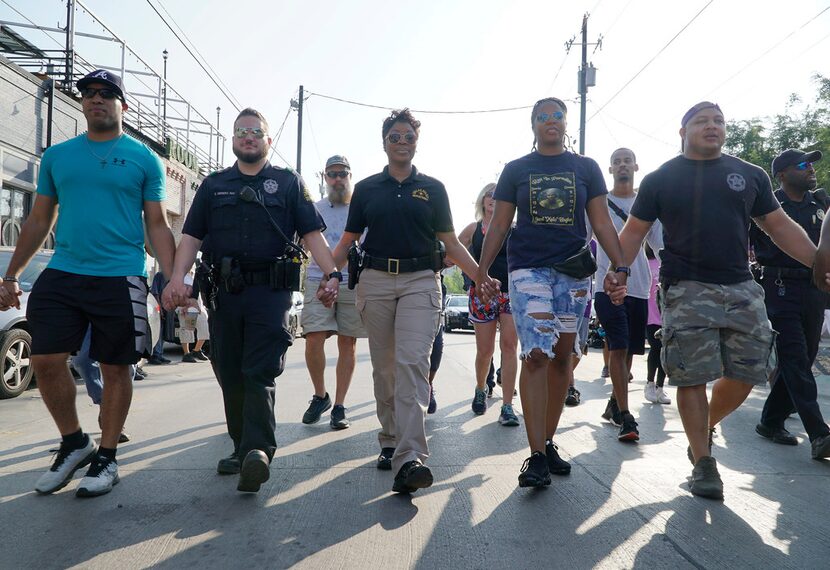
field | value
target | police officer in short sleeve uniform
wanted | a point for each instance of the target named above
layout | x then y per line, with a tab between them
794	306
234	219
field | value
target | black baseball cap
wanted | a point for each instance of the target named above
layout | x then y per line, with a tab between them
338	159
793	156
105	77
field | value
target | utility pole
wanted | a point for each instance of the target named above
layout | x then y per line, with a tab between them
218	135
70	44
587	77
300	132
164	97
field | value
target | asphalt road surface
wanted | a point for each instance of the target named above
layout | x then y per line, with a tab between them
327	506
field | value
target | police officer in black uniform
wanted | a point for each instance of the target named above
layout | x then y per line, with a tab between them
794	306
245	219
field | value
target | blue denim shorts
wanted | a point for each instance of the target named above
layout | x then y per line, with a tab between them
543	290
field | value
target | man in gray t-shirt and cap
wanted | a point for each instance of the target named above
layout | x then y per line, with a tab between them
342	319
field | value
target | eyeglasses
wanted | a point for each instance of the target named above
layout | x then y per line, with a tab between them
489	194
104	92
395	138
242	132
338	174
545	117
803	165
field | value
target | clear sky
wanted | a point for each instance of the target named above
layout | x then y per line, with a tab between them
460	55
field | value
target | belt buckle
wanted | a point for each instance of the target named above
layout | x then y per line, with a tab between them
389	266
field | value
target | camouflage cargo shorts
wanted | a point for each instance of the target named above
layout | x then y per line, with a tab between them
712	330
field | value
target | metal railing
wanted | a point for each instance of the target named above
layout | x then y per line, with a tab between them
156	111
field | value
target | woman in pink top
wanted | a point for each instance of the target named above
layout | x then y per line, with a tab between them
654	392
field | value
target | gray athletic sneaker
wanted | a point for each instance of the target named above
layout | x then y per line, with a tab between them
706	481
507	416
101	477
66	462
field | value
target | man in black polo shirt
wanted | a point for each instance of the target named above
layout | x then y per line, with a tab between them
794	306
715	326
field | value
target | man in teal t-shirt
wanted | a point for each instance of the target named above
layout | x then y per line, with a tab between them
102	187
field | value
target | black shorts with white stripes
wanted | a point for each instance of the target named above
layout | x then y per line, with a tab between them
62	305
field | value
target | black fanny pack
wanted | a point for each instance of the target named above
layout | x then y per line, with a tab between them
578	266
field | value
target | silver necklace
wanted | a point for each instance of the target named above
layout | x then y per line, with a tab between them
103	160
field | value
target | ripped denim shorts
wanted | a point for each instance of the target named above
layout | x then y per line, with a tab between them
543	291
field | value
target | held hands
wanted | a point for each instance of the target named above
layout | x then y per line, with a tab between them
9	295
487	288
176	294
327	291
614	286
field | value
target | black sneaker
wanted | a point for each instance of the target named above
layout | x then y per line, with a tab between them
574	397
190	357
255	471
556	465
230	465
338	418
413	475
155	360
777	435
479	402
628	431
498	376
201	355
385	458
689	453
612	412
706	481
433	405
535	471
316	407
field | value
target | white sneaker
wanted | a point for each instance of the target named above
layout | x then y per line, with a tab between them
662	398
101	477
64	466
650	392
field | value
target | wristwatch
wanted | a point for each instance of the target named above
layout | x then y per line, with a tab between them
336	275
623	269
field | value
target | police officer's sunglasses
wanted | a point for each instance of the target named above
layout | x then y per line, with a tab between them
104	92
804	165
395	138
242	132
338	174
545	117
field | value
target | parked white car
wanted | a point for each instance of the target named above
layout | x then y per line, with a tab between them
15	341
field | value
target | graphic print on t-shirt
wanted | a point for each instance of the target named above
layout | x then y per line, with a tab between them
553	199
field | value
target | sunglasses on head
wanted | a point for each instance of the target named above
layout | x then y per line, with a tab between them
242	132
545	117
395	138
338	174
803	165
104	92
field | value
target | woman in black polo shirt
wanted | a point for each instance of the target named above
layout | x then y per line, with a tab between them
551	189
404	213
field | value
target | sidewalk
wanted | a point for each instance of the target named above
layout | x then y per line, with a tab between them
327	506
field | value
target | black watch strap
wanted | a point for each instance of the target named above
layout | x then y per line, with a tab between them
336	275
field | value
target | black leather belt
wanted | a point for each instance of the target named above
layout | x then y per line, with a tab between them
257	277
394	266
787	272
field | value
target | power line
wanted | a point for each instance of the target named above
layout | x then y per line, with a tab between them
662	49
276	139
617	19
313	137
169	15
774	46
230	99
426	112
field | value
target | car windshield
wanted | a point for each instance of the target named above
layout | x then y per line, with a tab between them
32	271
457	302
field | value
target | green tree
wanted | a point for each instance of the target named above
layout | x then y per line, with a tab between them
454	281
760	139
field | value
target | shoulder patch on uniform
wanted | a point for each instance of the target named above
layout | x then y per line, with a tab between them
421	194
820	214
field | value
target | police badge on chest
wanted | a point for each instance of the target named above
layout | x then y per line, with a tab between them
270	186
